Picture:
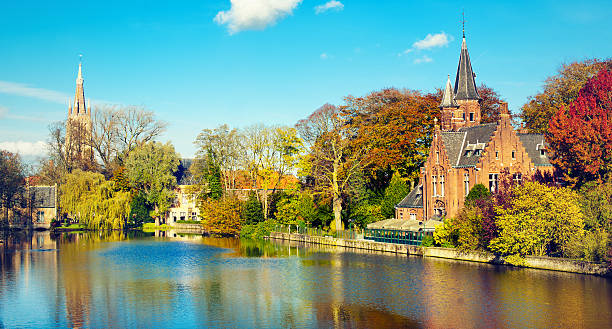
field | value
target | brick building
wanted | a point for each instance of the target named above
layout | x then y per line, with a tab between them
465	152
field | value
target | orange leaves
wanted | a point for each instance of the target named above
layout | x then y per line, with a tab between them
396	125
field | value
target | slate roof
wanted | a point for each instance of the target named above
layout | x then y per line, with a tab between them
473	139
448	98
183	175
43	196
465	85
533	143
414	199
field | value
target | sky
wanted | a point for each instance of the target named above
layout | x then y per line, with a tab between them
200	64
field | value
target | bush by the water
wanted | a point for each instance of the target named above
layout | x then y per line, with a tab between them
259	230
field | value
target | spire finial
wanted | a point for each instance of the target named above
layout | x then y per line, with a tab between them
463	23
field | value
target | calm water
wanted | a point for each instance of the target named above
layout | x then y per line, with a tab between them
114	280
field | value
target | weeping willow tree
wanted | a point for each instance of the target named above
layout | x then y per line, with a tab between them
94	201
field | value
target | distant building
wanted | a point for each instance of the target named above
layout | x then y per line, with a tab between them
465	152
184	206
79	126
43	205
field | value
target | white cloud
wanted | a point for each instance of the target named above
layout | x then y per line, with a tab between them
424	59
20	89
25	148
330	5
431	41
3	112
324	56
254	14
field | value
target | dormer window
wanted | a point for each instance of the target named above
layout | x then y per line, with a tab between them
467	154
476	152
542	153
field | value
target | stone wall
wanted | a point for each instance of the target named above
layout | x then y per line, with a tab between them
545	263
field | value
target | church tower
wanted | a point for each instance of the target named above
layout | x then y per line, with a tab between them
78	127
461	106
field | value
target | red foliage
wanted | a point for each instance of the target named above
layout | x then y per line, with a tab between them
580	135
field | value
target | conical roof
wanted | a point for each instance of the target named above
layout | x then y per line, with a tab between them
465	85
448	98
79	95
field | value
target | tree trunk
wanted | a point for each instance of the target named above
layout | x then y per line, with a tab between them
337	201
265	204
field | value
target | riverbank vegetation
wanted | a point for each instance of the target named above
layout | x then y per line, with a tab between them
342	166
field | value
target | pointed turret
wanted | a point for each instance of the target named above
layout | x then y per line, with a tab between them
79	97
465	85
448	98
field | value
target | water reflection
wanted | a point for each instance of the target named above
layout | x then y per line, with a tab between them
125	280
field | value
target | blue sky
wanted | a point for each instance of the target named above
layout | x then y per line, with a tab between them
199	64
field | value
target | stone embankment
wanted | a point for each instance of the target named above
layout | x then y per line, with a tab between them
544	263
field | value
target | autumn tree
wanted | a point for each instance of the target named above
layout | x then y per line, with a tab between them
540	221
395	127
12	181
269	153
559	91
580	134
221	217
489	104
150	169
332	159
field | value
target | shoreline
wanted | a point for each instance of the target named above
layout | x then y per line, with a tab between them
534	262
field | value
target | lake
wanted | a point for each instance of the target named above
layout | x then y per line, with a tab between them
112	279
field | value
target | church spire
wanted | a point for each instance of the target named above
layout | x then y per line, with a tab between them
465	85
79	97
448	98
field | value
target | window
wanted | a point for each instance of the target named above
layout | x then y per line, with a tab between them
467	154
513	155
40	216
466	183
496	155
433	183
542	153
493	182
517	178
412	216
437	157
463	116
401	215
441	185
471	116
476	152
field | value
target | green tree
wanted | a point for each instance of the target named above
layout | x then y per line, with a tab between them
541	220
12	181
395	192
253	212
139	212
150	169
296	207
477	192
366	213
